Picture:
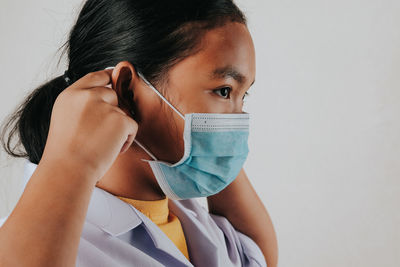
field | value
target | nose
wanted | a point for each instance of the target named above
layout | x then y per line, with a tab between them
237	106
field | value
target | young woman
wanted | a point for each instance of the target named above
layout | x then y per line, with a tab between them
118	154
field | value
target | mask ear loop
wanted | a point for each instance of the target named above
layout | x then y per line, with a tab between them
160	95
157	92
166	101
136	141
145	150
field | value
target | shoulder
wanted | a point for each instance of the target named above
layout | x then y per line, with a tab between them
235	248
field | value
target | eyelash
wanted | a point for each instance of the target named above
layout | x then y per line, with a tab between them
229	91
220	89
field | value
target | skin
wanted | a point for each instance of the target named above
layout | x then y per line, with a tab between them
192	89
53	206
90	144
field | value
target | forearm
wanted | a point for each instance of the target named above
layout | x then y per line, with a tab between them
45	226
240	204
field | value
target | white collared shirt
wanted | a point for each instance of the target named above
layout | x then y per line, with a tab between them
116	234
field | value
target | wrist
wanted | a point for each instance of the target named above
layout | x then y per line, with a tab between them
69	168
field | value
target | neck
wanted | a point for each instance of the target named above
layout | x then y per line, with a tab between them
131	177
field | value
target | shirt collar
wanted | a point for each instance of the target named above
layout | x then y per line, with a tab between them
111	214
117	217
156	210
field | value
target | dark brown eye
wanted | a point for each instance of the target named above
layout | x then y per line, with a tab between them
223	92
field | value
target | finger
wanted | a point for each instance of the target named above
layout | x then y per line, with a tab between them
127	143
132	130
120	111
108	95
93	79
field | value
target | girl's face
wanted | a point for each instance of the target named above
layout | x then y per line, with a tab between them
215	80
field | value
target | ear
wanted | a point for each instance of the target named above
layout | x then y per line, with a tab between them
123	78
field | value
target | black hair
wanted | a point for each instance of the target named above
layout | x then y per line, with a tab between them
152	35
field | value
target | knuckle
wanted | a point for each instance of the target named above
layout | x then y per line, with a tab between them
91	75
106	94
64	97
131	123
113	95
85	95
60	97
115	116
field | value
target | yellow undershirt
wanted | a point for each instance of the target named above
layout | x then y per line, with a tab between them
159	213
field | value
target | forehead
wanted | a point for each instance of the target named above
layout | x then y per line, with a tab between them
226	52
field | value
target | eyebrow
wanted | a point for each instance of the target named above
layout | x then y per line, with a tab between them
229	71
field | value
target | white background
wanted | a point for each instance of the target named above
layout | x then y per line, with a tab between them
325	149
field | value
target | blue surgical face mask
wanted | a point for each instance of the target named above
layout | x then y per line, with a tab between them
215	151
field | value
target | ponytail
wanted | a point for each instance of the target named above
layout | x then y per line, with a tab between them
107	32
30	122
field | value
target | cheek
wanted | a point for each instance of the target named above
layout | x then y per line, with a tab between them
173	129
159	125
164	130
147	105
204	101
